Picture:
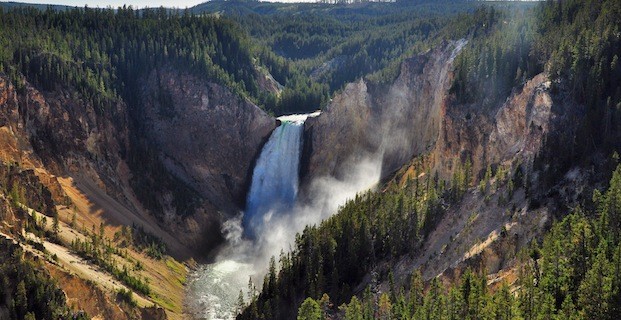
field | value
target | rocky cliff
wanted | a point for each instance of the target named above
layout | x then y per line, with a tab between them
416	115
513	131
59	131
196	139
207	138
395	121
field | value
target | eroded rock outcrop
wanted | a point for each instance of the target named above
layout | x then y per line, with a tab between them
396	121
62	133
417	115
206	137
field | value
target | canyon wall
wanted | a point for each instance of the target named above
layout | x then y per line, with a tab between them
195	141
416	115
395	121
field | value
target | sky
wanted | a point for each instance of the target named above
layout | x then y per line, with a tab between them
119	3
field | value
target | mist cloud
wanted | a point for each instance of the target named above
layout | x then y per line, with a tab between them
278	230
215	289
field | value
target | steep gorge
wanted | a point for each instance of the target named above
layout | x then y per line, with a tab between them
208	140
179	162
201	142
198	151
416	117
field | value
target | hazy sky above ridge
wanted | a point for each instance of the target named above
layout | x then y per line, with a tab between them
135	3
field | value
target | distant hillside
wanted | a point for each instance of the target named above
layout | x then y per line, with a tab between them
13	5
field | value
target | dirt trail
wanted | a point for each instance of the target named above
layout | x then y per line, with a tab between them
166	276
88	271
75	263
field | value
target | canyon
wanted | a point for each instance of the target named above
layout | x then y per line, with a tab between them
211	186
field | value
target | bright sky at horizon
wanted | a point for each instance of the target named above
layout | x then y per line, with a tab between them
134	3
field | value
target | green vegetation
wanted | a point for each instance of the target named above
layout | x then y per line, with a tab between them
127	296
26	290
100	250
333	257
572	274
320	48
99	56
23	188
498	58
576	42
506	48
92	51
309	310
141	240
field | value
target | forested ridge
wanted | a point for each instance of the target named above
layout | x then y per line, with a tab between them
319	49
576	42
102	53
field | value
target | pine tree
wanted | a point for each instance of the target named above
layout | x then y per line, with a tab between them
55	225
503	304
74	220
353	311
596	289
21	300
385	307
241	304
416	291
309	310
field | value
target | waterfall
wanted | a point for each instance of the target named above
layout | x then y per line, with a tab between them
274	184
214	289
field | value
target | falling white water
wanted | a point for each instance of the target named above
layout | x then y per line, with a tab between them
275	178
272	219
215	288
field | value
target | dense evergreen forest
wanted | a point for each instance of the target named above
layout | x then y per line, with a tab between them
102	52
571	274
320	48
